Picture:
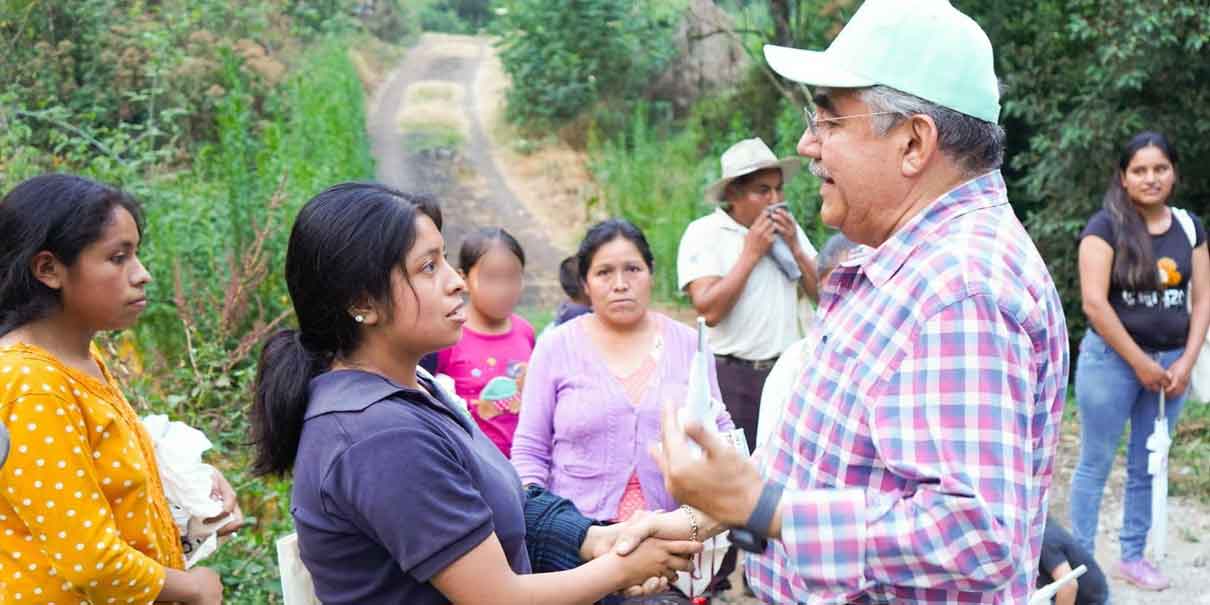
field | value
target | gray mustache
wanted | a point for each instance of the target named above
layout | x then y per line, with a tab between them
819	171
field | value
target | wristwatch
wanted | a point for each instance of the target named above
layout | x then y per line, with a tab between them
754	537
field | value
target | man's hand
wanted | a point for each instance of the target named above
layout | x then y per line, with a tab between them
760	236
720	482
222	490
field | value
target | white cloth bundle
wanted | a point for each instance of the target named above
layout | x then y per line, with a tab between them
188	484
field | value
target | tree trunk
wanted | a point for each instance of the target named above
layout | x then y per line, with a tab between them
780	10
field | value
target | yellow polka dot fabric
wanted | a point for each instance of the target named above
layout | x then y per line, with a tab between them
83	517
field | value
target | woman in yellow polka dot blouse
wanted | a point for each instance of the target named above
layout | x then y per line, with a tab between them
83	517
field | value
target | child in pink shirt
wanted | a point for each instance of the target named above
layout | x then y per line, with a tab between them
488	364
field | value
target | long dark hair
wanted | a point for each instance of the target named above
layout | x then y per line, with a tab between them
57	213
1133	258
606	231
343	247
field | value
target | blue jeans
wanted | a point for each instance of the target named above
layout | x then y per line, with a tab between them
1108	394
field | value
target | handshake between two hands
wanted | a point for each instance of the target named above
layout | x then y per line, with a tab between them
650	545
720	485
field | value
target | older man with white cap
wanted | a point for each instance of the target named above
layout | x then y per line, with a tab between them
914	459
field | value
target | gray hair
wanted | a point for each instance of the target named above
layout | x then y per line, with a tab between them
833	251
976	145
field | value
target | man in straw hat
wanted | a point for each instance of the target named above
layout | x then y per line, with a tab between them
913	462
741	266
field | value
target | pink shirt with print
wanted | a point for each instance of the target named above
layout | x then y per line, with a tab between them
489	373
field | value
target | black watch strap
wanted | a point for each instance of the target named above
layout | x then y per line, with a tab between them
766	506
753	537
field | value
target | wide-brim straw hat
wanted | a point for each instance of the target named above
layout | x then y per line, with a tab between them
746	157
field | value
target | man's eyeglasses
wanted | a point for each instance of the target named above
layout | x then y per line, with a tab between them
815	123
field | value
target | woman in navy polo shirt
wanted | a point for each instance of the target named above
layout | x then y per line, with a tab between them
398	497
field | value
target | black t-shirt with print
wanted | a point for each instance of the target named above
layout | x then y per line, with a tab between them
1156	320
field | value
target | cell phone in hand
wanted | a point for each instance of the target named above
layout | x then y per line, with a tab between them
778	206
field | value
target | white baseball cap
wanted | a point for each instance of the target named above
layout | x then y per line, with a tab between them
925	48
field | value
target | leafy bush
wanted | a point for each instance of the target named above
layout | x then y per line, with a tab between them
454	16
565	55
1081	78
220	144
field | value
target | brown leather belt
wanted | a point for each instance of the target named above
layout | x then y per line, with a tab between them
760	365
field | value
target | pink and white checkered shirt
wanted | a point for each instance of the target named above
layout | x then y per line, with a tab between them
917	448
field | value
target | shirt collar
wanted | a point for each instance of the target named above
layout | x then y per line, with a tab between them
726	221
981	192
356	390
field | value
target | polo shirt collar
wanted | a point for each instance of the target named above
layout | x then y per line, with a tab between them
355	390
981	192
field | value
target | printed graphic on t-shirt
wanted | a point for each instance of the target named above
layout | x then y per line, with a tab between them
1173	296
502	394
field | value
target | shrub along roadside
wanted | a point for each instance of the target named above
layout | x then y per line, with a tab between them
214	242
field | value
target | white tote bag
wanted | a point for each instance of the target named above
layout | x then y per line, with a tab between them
1199	377
296	586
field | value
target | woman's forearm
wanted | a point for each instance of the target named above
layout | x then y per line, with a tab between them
1107	324
584	584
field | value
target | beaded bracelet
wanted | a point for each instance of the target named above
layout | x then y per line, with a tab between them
692	522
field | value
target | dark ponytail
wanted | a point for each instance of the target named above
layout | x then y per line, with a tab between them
1133	257
282	378
344	245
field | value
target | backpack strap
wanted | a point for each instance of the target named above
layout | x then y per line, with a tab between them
1186	223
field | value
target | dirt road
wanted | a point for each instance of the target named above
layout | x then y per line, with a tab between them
436	85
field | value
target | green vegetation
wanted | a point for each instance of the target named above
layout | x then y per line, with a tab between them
1190	462
566	55
1080	78
221	136
453	16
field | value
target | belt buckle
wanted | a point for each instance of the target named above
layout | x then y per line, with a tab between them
763	365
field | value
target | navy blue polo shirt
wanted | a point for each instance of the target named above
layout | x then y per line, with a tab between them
391	486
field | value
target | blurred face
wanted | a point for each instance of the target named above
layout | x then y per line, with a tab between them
1149	177
495	282
427	315
104	288
861	182
759	192
619	283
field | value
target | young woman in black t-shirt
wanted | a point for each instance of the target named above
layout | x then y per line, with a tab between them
1140	262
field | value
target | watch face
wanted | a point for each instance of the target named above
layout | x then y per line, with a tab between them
749	541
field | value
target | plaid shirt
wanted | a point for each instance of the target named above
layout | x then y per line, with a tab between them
917	449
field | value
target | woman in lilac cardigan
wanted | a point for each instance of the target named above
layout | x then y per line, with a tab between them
597	384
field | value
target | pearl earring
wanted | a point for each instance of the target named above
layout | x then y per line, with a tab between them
359	318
